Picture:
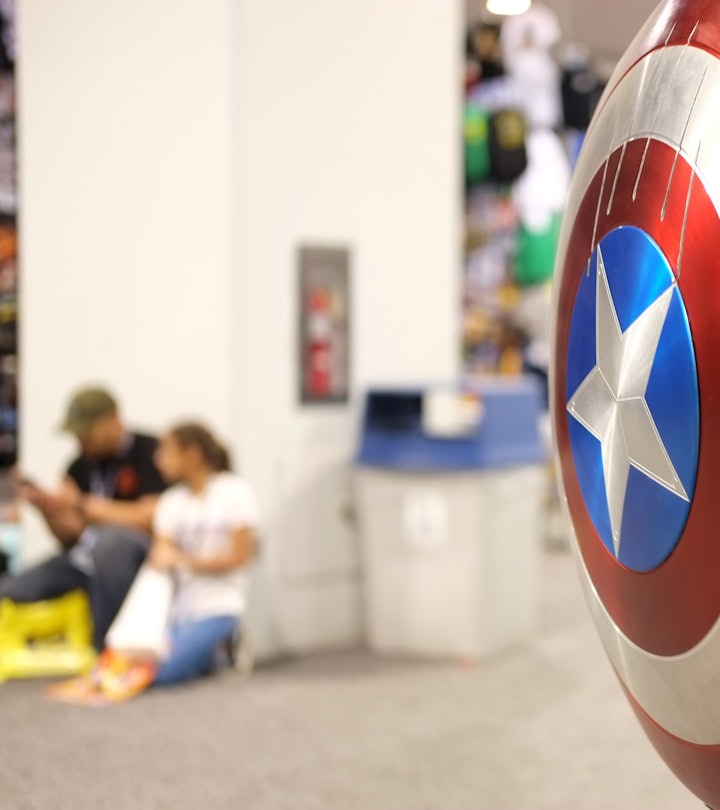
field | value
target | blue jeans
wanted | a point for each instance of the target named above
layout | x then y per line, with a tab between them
193	648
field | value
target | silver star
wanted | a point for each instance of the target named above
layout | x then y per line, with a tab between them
610	402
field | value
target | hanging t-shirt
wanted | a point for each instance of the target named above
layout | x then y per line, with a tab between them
129	475
581	91
202	524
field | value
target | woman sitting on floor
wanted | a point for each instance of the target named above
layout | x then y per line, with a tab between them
203	538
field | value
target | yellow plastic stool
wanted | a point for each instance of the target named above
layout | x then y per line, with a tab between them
45	639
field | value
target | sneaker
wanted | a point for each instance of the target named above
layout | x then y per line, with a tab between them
128	681
115	678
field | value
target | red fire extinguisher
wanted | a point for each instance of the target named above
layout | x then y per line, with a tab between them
319	343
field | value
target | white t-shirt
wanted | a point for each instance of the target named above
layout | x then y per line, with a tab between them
202	524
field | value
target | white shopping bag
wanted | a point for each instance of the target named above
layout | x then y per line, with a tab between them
142	623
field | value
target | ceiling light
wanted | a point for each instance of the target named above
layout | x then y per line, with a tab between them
507	7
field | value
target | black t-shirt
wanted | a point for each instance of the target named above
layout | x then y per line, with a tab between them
126	477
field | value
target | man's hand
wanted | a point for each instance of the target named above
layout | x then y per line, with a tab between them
49	502
62	510
31	493
138	514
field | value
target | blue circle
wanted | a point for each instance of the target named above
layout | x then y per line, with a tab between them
653	517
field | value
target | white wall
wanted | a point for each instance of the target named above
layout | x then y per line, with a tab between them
347	128
173	157
125	144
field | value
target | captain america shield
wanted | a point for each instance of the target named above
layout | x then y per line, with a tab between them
636	381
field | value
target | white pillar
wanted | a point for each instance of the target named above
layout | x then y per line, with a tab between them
174	155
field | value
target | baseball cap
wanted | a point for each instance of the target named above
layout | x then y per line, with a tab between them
85	407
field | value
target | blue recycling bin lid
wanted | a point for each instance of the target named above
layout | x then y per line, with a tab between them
395	436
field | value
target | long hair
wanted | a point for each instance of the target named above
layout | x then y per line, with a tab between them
193	434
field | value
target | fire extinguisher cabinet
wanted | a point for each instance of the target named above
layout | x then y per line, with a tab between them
449	495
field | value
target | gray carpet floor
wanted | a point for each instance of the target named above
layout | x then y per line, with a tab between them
538	727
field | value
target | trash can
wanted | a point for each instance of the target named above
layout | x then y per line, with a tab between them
449	495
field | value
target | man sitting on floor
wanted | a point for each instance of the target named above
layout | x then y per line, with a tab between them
101	514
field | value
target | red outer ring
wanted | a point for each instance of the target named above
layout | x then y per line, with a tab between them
674	22
696	766
670	609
